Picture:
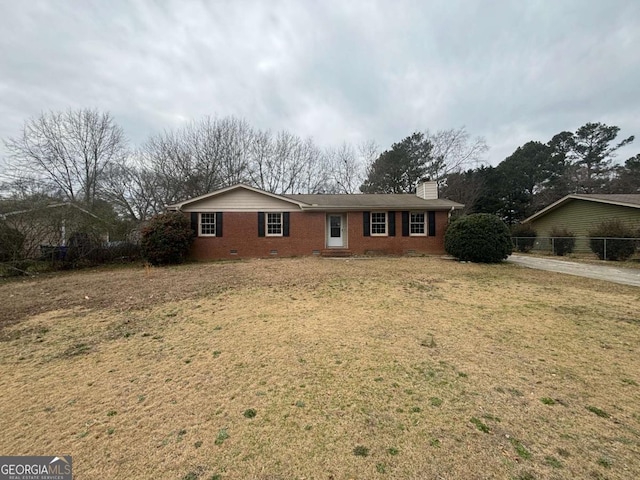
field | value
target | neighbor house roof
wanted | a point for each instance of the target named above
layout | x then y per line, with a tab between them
631	200
358	201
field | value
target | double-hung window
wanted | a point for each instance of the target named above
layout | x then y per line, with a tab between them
416	223
207	225
274	224
378	223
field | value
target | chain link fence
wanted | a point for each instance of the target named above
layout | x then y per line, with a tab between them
605	248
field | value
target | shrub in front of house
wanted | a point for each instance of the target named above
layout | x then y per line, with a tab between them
524	237
480	237
166	239
616	247
563	241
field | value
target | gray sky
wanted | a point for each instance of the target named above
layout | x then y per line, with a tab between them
351	70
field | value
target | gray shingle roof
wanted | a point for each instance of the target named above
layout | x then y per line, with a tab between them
372	201
621	198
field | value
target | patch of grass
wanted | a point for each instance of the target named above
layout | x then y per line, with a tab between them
77	349
361	451
520	449
250	413
434	442
393	451
429	342
493	418
112	413
381	468
525	476
435	401
548	401
563	452
216	353
416	409
629	381
552	462
479	425
599	412
223	434
198	444
110	431
605	462
299	404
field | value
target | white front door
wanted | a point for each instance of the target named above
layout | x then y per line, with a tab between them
335	227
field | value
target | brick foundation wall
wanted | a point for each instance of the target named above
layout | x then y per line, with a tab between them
308	234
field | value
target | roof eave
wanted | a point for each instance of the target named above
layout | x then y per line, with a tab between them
574	196
178	206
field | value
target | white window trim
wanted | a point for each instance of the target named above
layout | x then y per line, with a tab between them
386	225
215	226
424	225
266	224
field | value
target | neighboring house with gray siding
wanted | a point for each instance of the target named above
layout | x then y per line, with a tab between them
582	213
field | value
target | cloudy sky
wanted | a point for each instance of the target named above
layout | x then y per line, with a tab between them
348	70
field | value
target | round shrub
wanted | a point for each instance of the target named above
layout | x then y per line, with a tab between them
480	237
166	239
524	237
617	248
563	241
11	243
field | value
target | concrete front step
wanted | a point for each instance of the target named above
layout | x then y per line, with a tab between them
336	252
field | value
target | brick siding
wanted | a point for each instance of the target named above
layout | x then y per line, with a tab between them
308	235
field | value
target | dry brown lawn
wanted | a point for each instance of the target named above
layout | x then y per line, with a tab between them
416	368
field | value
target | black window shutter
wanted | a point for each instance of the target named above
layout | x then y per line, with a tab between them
405	224
366	224
261	224
218	224
285	224
194	223
392	223
432	223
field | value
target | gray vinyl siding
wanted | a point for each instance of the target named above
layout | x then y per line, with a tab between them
581	216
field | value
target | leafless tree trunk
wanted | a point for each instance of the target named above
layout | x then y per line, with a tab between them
67	150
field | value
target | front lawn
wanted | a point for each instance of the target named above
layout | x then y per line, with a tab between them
323	369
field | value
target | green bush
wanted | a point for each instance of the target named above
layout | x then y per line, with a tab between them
563	241
11	243
616	248
480	237
166	239
524	237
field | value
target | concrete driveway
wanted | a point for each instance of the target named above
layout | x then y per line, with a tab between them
625	276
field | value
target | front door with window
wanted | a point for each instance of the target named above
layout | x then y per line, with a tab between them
335	230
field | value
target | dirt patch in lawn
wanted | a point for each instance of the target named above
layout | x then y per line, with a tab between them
310	368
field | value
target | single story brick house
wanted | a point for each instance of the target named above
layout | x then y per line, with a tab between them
242	221
581	213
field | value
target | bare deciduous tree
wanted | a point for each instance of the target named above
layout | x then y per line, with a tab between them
347	166
453	150
67	151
